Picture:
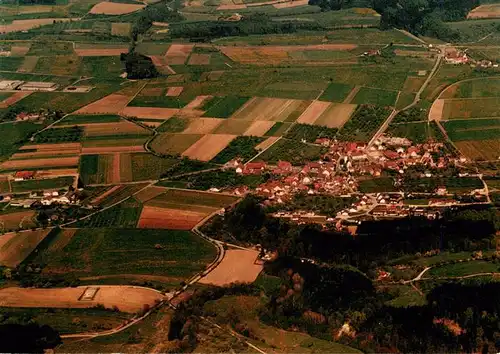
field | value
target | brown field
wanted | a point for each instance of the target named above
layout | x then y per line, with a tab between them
236	266
313	112
115	168
126	298
11	221
485	11
52	147
231	7
112	149
259	128
152	91
57	173
285	5
89	52
174	219
149	193
199	59
450	92
24	25
271	109
15	247
62	239
267	143
202	125
38	163
174	91
178	53
44	153
111	8
19	50
177	78
16	97
261	55
197	102
112	143
208	146
167	143
110	104
104	195
486	150
413	83
149	112
121	29
28	64
116	128
161	64
233	126
436	111
336	115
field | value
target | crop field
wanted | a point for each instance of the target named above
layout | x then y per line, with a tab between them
13	134
207	147
223	107
123	215
198	125
112	104
367	95
121	29
58	65
167	143
270	109
363	124
111	8
336	92
143	166
96	252
43	184
335	115
12	220
177	54
167	218
206	199
149	193
473	129
40	163
413	84
233	126
15	247
47	150
122	127
485	11
236	266
13	98
471	108
259	128
95	169
150	112
417	132
477	88
88	119
482	150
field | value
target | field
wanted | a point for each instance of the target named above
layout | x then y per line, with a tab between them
208	146
126	299
485	11
99	252
43	184
150	112
15	247
223	107
12	220
39	163
270	109
110	8
236	266
335	115
164	218
475	88
481	150
13	135
363	124
173	143
379	97
465	268
112	104
178	53
467	108
473	129
13	98
293	151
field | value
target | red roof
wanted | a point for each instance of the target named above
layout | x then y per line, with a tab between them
255	165
392	155
284	165
351	146
24	174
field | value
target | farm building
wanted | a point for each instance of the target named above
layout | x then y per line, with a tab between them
456	58
38	86
9	84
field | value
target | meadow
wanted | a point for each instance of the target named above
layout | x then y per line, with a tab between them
43	184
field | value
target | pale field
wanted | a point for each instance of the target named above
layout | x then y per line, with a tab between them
208	146
202	125
100	52
28	64
40	163
149	193
286	5
15	247
259	128
231	7
174	91
111	8
197	102
115	168
127	298
199	59
116	128
163	218
52	147
44	153
167	143
336	115
266	143
121	29
485	11
57	173
19	50
24	25
315	109
111	149
270	109
178	53
237	266
436	111
113	104
486	150
149	112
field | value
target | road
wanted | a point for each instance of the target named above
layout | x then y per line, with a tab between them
395	112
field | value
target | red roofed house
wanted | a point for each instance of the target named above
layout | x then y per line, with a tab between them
284	167
22	175
254	168
391	155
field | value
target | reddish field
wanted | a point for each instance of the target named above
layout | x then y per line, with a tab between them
174	219
208	146
112	8
178	53
38	163
16	97
174	91
110	104
150	112
112	149
11	221
111	52
15	247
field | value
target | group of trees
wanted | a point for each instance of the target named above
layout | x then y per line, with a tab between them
159	12
138	66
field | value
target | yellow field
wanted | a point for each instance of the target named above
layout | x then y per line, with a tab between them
121	29
271	109
208	146
336	115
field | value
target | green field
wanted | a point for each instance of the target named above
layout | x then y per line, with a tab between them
473	129
223	107
486	87
89	119
464	268
467	108
296	152
363	123
93	252
145	166
375	185
368	95
42	184
417	132
336	92
14	135
173	125
123	215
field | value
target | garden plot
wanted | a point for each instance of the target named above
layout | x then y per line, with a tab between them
177	54
208	146
150	112
271	109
